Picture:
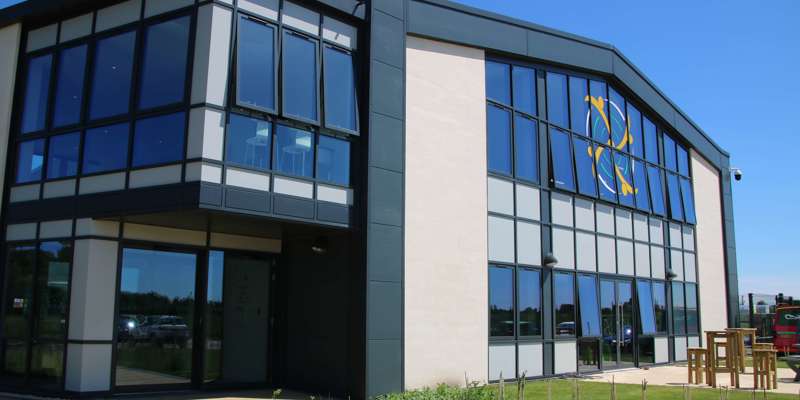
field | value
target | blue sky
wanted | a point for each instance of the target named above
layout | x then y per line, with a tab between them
732	66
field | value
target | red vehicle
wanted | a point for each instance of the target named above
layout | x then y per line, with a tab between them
787	328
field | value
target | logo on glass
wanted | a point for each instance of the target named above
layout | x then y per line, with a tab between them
608	125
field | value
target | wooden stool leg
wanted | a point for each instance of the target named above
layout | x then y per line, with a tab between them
689	366
774	364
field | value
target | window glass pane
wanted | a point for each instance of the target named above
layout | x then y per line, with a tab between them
47	365
670	160
656	190
501	301
683	161
255	64
557	106
588	355
159	139
647	351
675	207
650	141
608	313
561	155
635	123
584	165
37	89
299	76
678	310
247	142
294	151
599	123
214	314
647	318
688	201
69	86
18	310
340	89
105	148
166	50
52	290
526	148
333	160
525	89
619	124
529	302
564	304
30	161
606	174
691	308
590	312
624	179
640	186
660	306
499	132
579	104
156	294
62	157
498	82
111	84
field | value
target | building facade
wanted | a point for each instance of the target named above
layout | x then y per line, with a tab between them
342	197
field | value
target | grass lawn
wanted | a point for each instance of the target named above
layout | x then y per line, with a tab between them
562	390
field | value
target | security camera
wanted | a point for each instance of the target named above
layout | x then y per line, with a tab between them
737	173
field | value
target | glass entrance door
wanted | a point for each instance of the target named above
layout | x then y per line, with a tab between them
616	303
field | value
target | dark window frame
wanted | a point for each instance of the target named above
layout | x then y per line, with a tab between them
234	59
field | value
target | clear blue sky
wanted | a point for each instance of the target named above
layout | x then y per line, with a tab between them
733	67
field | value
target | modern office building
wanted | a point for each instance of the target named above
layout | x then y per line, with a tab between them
342	197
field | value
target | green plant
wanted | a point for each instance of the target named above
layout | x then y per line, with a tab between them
276	394
473	391
644	389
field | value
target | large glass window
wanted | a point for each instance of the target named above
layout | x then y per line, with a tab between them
584	167
678	309
499	139
624	179
692	317
247	142
579	104
18	305
37	90
529	302
660	306
589	309
561	157
333	160
156	296
526	149
498	82
62	156
105	148
640	186
255	64
166	49
673	189
601	131
557	99
30	161
616	115
524	89
159	140
635	131
214	316
299	76
688	201
564	303
501	301
656	190
606	174
69	86
294	151
683	161
650	141
646	316
340	89
670	160
111	83
52	290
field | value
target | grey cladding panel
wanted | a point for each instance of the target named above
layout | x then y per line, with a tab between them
388	40
438	22
387	90
386	303
392	7
335	213
247	200
293	207
547	47
644	90
385	253
385	197
386	142
384	360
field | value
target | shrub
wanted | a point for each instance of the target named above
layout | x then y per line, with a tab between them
474	391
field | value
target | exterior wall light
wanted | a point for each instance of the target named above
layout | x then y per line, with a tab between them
550	260
320	245
671	274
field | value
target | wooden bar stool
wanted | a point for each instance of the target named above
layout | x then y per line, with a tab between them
697	358
765	372
740	349
724	340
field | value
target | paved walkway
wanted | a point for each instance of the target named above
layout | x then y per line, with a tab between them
677	375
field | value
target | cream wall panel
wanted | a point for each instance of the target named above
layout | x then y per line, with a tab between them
586	256
530	359
675	236
77	27
200	171
155	7
164	234
561	209
206	134
657	262
501	239
528	202
102	183
680	348
21	231
155	176
9	50
605	219
93	290
688	238
88	367
529	243
300	18
584	214
335	194
624	224
502	361
42	37
339	32
249	243
248	179
564	247
55	229
710	259
676	263
661	349
96	227
59	188
24	193
565	355
501	196
264	8
210	76
606	255
292	187
446	133
642	254
656	231
118	14
625	257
